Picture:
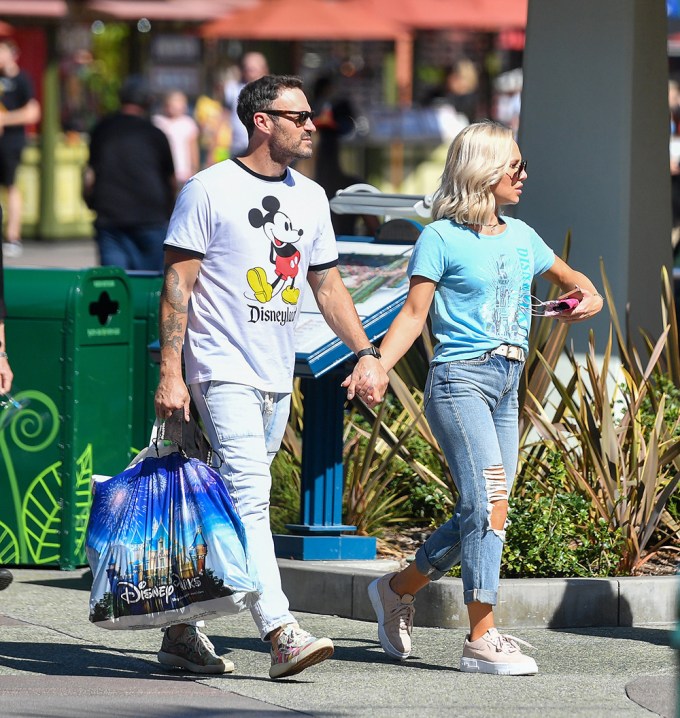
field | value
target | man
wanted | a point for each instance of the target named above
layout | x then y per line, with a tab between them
245	235
130	183
18	108
253	66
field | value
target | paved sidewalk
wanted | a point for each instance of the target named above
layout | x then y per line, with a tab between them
54	663
65	254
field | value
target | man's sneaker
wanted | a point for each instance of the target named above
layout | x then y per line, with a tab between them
12	249
295	649
495	653
395	617
194	651
5	578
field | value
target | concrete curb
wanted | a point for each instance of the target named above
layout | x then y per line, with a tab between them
339	588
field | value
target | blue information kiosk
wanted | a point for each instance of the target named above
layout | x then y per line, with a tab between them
375	274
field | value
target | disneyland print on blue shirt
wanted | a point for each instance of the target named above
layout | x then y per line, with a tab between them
163	537
483	294
508	298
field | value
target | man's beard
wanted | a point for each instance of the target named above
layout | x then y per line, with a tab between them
286	154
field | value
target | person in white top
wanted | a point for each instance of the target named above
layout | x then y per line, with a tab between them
182	133
247	238
252	67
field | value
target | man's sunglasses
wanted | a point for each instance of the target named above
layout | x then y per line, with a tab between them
300	117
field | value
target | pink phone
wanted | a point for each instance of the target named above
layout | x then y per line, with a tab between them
560	305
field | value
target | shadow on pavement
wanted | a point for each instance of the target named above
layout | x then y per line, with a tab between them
653	636
66	659
75	583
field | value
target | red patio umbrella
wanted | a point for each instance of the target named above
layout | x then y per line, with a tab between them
196	10
34	8
306	20
318	20
455	14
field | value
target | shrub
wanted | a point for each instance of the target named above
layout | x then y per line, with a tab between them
284	505
555	535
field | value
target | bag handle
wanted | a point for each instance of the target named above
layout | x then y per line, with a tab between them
187	436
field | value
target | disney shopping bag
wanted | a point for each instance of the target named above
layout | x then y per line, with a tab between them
165	546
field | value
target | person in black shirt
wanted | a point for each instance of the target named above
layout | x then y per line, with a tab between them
130	183
18	108
334	119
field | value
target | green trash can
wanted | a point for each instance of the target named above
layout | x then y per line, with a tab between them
145	288
69	337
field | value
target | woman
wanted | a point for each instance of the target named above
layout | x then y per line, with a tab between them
5	383
472	269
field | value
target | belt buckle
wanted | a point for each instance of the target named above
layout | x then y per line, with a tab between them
510	352
515	353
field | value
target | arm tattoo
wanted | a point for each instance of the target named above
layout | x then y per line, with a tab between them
321	275
171	291
173	324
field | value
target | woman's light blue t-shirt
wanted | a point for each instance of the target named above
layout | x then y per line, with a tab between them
483	294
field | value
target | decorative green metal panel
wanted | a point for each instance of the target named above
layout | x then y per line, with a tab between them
146	293
70	337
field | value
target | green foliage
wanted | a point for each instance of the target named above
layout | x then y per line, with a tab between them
625	465
555	535
546	343
372	499
661	385
284	506
110	65
596	494
428	503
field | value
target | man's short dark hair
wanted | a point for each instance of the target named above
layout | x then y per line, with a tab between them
260	95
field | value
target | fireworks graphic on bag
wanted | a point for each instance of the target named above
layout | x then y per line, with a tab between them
165	544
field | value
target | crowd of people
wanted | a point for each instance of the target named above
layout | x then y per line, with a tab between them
201	131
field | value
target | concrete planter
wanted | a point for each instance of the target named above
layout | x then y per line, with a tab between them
339	588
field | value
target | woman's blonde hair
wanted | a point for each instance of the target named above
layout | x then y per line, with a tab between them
476	161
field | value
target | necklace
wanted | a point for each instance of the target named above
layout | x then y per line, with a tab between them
497	224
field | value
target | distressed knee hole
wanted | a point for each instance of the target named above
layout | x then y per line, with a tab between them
497	499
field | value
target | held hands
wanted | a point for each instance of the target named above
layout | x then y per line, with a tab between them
368	381
171	394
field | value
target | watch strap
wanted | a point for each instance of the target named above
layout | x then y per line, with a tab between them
369	351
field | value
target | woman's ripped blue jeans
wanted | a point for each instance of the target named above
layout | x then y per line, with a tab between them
472	408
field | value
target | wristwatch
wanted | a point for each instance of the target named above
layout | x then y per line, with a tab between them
369	351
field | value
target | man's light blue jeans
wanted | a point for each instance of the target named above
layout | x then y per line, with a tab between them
472	408
246	426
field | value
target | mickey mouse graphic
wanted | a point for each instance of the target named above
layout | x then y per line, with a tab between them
279	230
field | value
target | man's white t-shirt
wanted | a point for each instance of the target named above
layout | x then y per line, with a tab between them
257	237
